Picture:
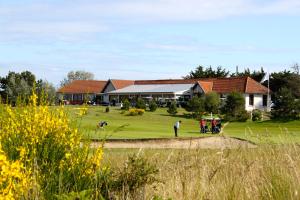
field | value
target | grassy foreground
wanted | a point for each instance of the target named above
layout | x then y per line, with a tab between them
266	172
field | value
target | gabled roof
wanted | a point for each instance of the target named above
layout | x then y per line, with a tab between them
253	86
83	87
237	84
206	86
227	85
119	84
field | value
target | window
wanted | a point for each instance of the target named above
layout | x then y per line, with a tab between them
251	99
265	100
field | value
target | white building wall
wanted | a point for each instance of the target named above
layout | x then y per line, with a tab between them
257	103
109	88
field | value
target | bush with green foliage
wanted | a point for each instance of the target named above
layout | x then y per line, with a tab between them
140	103
152	106
172	108
256	115
135	174
196	105
126	105
234	107
242	116
212	102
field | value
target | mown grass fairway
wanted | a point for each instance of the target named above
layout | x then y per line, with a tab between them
265	132
159	124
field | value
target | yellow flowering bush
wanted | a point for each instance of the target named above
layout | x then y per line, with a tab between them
14	180
136	111
42	157
40	141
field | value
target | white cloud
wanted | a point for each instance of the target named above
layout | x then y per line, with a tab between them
72	19
56	28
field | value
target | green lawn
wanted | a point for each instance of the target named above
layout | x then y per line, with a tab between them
265	132
158	124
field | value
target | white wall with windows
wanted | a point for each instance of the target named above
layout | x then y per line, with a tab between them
256	101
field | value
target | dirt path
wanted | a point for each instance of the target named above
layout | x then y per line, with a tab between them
214	142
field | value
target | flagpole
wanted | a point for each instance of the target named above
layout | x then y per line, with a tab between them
268	101
269	98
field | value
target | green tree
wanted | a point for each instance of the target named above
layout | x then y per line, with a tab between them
16	85
234	106
196	105
286	107
172	110
207	72
212	102
286	79
76	75
46	91
256	75
152	106
140	103
126	104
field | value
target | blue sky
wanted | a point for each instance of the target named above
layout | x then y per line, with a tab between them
146	39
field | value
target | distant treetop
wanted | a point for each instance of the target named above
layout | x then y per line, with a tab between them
207	72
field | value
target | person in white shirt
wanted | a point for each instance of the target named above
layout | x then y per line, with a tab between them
176	127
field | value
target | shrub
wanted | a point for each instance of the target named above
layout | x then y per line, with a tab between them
135	112
196	105
140	103
212	102
43	140
152	106
256	115
135	174
234	107
242	116
172	108
107	109
126	104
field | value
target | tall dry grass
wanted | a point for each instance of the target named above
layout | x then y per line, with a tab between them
265	172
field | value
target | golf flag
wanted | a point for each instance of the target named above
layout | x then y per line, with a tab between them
265	78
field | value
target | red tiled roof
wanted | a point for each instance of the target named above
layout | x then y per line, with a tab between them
253	86
227	85
83	86
119	84
237	84
206	86
169	81
219	85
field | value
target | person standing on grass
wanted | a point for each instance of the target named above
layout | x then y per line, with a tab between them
176	127
213	125
202	126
